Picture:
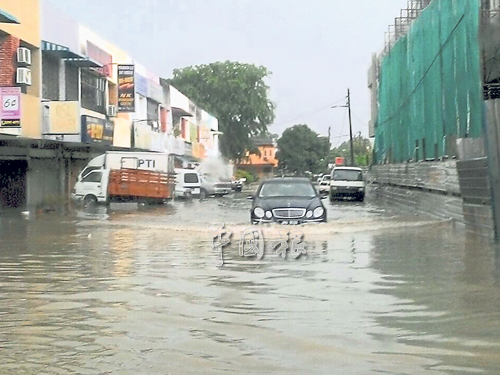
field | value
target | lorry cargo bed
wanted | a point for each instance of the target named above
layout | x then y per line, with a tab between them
137	183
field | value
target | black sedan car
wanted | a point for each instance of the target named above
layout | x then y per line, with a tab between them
287	200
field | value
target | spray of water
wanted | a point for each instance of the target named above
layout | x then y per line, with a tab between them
217	167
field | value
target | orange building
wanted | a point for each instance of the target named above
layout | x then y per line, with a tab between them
262	165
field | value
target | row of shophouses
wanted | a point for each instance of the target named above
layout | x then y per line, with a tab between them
67	95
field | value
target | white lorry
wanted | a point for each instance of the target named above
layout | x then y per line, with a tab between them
126	176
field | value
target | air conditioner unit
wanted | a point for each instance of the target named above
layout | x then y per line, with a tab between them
23	76
23	56
112	110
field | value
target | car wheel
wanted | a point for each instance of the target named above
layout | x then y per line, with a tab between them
89	201
203	193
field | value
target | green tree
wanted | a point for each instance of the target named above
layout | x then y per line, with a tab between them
301	150
236	94
362	150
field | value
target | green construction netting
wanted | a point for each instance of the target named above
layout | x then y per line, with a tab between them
430	90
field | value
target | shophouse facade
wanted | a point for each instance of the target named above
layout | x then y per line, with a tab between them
86	96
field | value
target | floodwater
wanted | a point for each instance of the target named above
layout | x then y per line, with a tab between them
139	290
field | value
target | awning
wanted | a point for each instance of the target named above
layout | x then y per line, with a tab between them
67	55
83	62
7	17
186	158
180	112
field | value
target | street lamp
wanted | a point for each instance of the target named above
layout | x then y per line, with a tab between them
348	106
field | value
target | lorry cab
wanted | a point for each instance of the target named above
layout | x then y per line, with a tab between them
187	182
92	183
347	182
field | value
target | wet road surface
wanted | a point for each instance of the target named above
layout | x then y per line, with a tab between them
131	290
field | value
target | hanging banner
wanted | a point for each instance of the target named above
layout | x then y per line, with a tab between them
10	115
126	88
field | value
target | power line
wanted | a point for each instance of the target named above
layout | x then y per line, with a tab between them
306	114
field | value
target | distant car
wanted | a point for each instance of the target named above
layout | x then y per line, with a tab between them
324	184
287	200
211	185
347	182
237	185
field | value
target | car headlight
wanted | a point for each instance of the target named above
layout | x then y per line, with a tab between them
259	212
309	214
318	211
361	189
269	214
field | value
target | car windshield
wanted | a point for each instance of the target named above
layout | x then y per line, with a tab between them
190	178
287	189
347	175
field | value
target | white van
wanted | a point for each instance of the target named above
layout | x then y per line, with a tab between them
187	183
347	182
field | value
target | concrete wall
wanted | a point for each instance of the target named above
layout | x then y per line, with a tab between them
432	188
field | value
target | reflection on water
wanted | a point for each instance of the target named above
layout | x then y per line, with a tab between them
94	299
447	287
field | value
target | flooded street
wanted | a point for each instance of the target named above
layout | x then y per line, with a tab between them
130	290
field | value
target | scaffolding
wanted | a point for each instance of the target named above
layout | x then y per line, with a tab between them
403	22
430	82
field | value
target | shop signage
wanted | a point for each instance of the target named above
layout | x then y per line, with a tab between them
97	131
155	91
141	85
126	88
64	118
10	115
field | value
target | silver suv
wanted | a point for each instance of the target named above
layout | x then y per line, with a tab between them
211	185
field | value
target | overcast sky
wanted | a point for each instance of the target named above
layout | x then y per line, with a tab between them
316	49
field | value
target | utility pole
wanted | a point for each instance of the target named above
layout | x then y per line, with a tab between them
350	126
329	148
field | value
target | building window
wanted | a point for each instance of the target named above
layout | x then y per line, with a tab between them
93	92
50	77
153	114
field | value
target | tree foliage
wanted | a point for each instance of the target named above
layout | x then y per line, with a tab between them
236	94
302	150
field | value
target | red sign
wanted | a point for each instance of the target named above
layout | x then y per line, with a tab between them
339	160
102	57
